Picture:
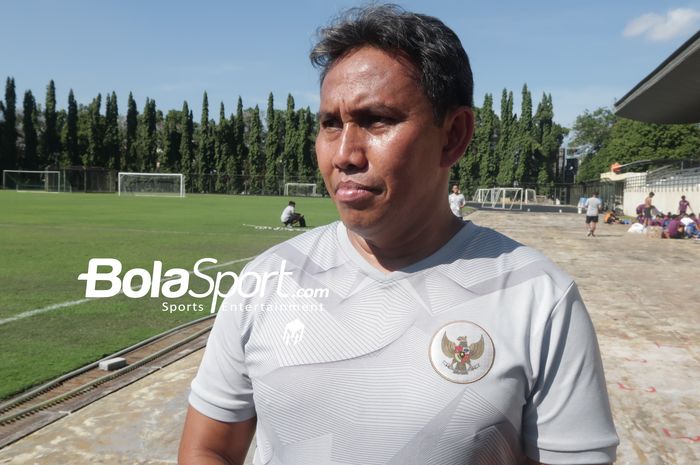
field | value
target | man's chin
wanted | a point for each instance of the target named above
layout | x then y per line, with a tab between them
366	223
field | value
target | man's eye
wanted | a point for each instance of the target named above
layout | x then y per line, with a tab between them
378	121
331	123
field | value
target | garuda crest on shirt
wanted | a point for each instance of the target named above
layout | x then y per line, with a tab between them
462	352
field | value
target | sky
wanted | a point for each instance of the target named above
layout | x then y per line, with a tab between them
586	54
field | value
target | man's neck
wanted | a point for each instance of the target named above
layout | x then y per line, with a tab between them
411	247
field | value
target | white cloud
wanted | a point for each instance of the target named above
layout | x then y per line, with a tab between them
656	27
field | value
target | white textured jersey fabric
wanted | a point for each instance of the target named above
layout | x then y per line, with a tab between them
369	374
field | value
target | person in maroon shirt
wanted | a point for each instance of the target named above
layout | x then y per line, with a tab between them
676	229
683	206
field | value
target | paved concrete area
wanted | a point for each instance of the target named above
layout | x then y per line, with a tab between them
642	294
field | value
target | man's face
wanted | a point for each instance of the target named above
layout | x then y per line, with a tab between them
378	146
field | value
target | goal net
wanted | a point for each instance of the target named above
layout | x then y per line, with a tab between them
297	189
34	181
505	198
151	184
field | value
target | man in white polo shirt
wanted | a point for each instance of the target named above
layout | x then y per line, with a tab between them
436	341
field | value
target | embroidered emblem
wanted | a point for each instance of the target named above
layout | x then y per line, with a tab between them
462	352
293	332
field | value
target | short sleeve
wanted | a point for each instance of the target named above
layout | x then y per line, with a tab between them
567	418
222	389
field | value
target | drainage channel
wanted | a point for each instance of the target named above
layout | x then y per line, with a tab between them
41	406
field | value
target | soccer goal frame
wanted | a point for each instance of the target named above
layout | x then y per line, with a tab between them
505	198
44	184
151	188
300	184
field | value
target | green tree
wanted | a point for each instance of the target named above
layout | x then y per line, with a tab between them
634	140
505	147
592	129
485	136
95	134
29	159
204	159
186	146
525	151
304	146
548	138
272	147
50	141
70	132
146	139
223	149
112	141
256	155
171	137
9	139
2	133
131	161
240	157
290	140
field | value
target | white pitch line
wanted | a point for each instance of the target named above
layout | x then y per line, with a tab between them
37	311
276	228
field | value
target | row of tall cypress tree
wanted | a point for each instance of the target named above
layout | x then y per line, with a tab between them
248	151
511	150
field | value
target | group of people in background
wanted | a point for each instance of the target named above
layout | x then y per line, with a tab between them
684	224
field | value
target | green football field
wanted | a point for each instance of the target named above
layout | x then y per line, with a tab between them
48	327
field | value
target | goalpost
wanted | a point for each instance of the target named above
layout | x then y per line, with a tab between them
300	189
505	198
32	180
151	184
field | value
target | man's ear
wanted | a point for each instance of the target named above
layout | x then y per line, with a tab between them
459	129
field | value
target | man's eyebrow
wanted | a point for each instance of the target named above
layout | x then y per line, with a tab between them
368	109
326	114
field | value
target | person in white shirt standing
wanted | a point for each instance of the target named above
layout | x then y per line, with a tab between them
457	201
593	206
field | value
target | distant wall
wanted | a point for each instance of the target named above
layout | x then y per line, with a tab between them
663	201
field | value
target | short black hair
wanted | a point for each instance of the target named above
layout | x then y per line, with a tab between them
432	47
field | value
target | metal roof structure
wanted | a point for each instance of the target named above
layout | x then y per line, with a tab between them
671	93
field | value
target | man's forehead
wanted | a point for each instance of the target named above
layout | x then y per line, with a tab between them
369	76
368	60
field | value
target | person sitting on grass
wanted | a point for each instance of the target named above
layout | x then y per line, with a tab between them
290	217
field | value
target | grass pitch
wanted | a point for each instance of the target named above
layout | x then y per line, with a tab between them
46	241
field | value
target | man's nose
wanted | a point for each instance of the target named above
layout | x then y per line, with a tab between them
351	154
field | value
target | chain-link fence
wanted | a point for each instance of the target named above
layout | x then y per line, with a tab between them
665	180
612	193
88	179
96	179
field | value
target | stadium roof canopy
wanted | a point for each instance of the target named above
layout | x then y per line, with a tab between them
671	93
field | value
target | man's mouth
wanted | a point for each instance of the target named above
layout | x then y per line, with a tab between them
352	192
